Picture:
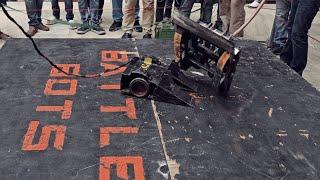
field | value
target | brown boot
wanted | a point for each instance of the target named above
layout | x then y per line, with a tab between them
32	31
42	27
3	36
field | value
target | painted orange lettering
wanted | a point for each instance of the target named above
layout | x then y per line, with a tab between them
129	109
110	87
121	163
106	131
60	92
111	66
114	56
69	68
44	137
66	109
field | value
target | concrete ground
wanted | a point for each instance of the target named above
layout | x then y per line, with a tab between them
258	30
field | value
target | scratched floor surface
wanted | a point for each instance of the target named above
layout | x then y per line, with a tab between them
58	127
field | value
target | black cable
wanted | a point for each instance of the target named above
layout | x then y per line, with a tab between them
52	63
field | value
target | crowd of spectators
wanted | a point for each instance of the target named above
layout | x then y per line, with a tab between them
289	37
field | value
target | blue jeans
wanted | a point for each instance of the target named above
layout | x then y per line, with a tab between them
34	8
3	1
89	11
279	35
206	9
295	52
117	13
164	8
100	12
68	8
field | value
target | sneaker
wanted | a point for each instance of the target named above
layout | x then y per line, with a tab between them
126	36
254	4
137	26
115	26
72	24
98	30
52	20
42	27
205	24
83	29
32	31
147	36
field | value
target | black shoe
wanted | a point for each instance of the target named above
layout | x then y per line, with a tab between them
147	36
98	30
126	36
83	29
137	26
115	26
276	50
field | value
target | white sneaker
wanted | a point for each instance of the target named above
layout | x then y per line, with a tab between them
52	20
254	4
205	24
73	24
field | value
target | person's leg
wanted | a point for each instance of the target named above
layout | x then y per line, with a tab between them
128	20
178	4
186	6
160	10
168	8
287	51
69	9
225	15
3	2
148	16
206	14
116	15
137	11
84	14
218	23
94	8
306	11
280	22
83	9
117	10
137	26
31	5
237	16
39	10
55	8
100	12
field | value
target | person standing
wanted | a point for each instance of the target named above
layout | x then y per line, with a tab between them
147	17
56	12
34	8
295	52
117	16
89	17
232	14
